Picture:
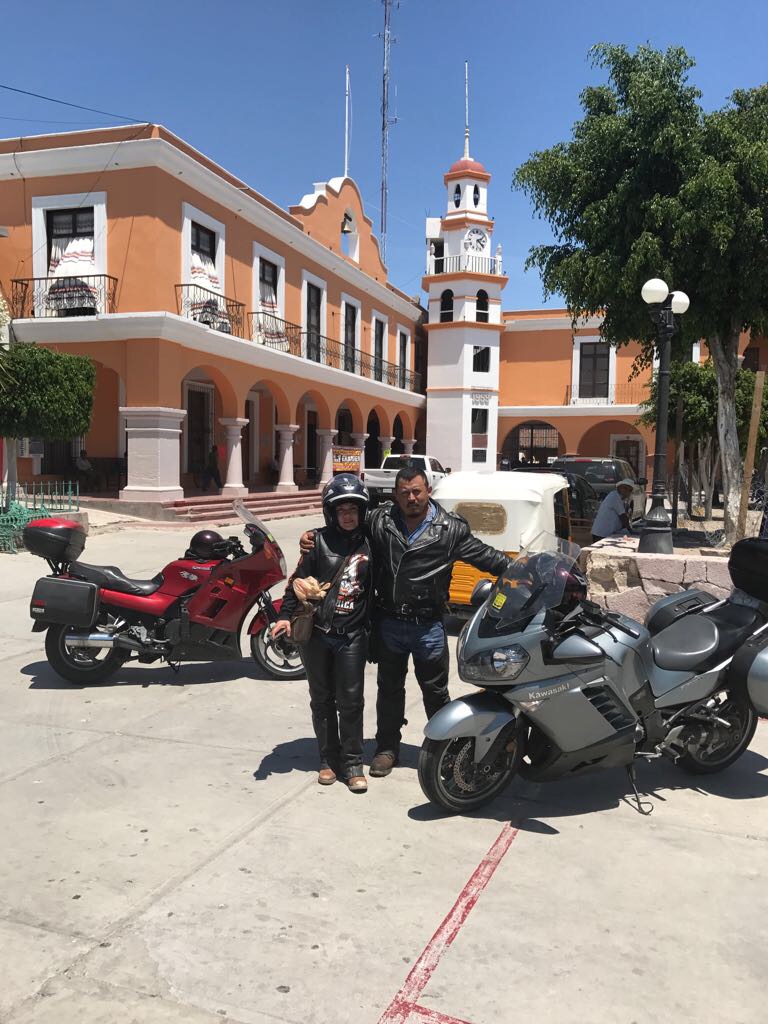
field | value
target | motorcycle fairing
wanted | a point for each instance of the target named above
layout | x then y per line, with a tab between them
482	715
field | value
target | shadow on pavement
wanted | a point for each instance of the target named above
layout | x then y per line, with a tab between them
189	674
301	755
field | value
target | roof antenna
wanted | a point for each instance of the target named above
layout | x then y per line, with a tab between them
386	123
466	111
346	124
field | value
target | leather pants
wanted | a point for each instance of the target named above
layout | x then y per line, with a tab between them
335	667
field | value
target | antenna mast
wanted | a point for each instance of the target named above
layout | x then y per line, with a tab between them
386	124
346	124
466	110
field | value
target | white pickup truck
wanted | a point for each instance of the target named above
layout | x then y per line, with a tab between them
381	482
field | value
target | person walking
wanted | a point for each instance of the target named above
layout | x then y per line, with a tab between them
211	471
612	514
336	654
414	543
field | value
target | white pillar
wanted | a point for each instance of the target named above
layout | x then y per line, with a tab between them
386	443
153	433
326	454
408	445
286	434
358	441
233	484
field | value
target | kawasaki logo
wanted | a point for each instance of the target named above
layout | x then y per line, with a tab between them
544	692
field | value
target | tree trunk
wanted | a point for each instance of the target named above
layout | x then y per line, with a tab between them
724	350
709	487
689	496
9	463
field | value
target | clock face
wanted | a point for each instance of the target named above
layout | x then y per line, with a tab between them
475	240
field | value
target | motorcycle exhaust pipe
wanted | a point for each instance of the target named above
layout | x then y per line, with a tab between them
101	640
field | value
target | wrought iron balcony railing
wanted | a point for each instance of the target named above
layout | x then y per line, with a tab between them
608	394
63	296
210	308
465	263
269	330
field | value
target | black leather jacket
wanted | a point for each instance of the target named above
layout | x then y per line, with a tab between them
414	580
323	562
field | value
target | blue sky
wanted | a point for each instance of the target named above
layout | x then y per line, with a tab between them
259	87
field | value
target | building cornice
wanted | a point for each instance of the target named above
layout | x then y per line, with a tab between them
473	324
464	275
547	412
557	322
179	330
100	158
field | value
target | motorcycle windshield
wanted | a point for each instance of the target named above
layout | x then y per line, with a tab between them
536	581
250	519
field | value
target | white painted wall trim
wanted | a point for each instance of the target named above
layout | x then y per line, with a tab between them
549	411
376	315
576	364
260	252
190	213
350	300
402	329
553	323
72	201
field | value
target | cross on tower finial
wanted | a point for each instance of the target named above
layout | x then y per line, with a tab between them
466	110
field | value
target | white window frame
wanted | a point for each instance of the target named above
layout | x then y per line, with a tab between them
260	252
318	282
349	300
630	437
190	213
576	365
376	315
42	204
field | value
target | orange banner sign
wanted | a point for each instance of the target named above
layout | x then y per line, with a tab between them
347	460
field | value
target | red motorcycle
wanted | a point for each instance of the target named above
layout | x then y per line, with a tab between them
96	618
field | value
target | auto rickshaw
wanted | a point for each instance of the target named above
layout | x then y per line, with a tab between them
508	511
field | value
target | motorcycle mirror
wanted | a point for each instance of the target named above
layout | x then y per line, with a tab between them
480	593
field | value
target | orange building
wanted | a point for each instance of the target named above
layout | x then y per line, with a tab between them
212	315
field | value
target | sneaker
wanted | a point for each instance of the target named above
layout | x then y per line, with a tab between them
382	764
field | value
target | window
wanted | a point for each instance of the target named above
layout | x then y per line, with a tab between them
402	358
203	267
479	421
476	195
350	330
70	235
268	287
481	307
751	359
446	307
594	361
435	466
439	247
457	196
378	349
314	306
481	359
479	454
203	241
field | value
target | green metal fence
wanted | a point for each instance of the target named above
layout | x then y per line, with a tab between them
24	502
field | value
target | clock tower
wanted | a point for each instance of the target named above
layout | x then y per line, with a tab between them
464	281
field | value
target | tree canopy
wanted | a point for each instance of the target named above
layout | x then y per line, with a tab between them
45	394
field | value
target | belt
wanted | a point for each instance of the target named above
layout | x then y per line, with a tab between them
406	614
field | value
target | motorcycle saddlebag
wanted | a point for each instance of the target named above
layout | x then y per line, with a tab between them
749	669
675	606
60	540
748	566
68	602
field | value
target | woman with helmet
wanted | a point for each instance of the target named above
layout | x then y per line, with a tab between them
335	655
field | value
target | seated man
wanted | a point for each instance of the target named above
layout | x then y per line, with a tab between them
85	469
612	516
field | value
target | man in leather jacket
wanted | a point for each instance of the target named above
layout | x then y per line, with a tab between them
414	543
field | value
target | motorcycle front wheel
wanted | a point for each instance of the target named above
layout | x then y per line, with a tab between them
280	658
449	777
82	665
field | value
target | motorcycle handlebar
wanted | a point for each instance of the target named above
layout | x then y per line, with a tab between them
594	613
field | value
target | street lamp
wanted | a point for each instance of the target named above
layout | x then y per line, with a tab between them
664	306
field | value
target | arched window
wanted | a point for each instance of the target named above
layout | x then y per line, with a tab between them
476	196
481	307
446	307
457	196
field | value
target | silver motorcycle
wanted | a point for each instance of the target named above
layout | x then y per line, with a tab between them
568	687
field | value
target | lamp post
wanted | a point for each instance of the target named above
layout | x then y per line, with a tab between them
656	533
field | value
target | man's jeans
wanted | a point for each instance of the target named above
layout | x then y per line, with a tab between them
428	647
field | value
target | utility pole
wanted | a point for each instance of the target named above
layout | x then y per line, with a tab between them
346	125
386	123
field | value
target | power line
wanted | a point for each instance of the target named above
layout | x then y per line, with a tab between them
77	106
44	120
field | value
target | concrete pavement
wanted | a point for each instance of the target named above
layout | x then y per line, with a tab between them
168	857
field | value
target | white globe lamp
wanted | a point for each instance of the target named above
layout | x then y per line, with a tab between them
680	302
654	291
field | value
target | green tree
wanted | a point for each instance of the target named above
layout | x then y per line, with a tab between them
44	394
651	185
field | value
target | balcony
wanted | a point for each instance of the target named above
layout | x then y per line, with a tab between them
465	263
211	309
63	296
615	394
269	330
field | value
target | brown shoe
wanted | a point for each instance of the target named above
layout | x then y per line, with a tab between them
382	764
326	776
357	784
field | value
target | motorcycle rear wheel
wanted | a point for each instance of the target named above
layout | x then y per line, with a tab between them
724	749
282	660
447	775
82	665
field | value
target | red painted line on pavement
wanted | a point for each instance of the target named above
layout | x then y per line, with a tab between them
423	1015
405	1002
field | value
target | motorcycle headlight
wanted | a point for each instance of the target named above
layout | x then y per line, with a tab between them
501	663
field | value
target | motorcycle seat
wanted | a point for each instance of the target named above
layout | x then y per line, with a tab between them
109	577
699	641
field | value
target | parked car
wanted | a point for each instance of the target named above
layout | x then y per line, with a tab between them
603	473
583	502
381	482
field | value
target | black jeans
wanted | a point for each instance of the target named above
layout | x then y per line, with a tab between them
395	642
335	666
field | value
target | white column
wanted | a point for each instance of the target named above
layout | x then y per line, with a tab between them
153	453
286	434
386	442
233	484
408	445
358	441
326	454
